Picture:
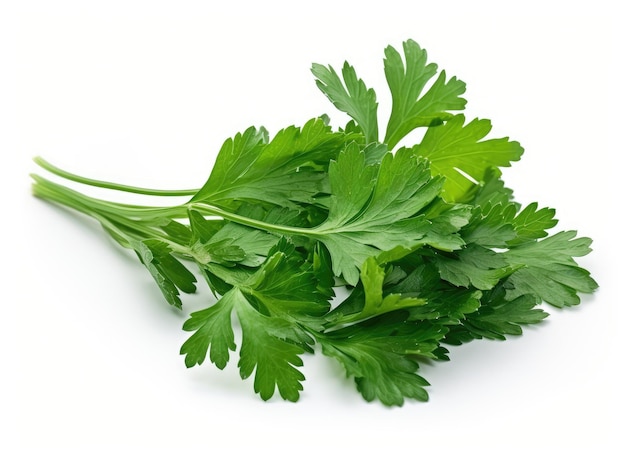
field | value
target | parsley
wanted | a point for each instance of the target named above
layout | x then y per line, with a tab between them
427	240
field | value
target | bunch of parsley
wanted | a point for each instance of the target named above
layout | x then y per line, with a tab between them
426	242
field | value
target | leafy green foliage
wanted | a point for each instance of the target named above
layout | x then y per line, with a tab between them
375	208
369	300
410	109
474	266
283	171
458	152
276	305
168	272
213	330
427	240
382	356
355	99
549	270
496	318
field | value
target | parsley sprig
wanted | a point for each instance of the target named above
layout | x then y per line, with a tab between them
427	240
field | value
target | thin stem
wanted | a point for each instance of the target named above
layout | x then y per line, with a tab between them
108	185
142	212
144	221
271	227
110	216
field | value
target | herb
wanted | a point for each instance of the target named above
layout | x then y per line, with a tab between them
426	240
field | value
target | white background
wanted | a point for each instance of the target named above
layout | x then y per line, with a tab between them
145	92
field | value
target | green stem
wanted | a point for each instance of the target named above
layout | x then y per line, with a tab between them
143	212
144	221
108	185
110	215
271	227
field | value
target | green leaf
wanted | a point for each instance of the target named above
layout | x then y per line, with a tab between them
373	277
230	243
285	171
371	300
213	329
506	317
381	354
267	349
491	225
278	306
531	223
267	346
490	191
500	225
458	151
410	108
496	318
445	302
474	266
177	232
376	209
355	99
286	286
233	161
550	271
222	252
169	273
560	248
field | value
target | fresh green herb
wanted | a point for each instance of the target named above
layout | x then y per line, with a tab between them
426	240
